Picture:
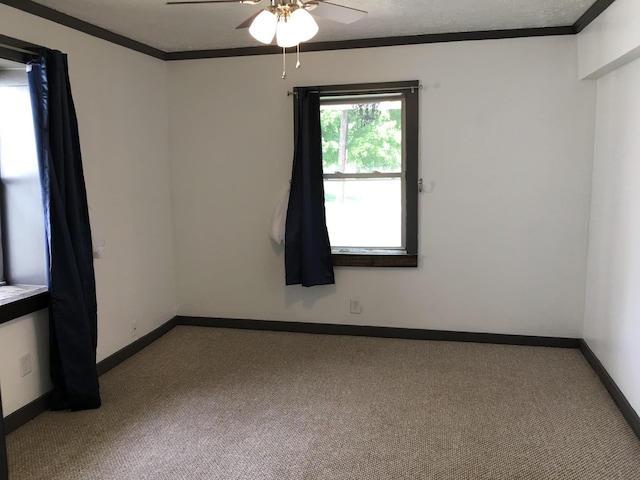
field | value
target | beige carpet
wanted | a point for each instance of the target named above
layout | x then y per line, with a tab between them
205	403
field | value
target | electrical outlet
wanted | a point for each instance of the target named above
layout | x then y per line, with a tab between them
354	306
25	365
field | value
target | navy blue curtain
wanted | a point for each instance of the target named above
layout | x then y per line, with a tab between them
307	251
72	288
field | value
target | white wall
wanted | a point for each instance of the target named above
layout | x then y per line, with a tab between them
24	335
611	40
611	326
506	137
121	101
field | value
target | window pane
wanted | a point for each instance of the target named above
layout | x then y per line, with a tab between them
17	138
364	213
362	137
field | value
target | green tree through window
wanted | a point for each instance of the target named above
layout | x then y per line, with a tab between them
362	137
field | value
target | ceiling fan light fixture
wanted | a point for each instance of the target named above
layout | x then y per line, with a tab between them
295	28
263	27
286	34
304	24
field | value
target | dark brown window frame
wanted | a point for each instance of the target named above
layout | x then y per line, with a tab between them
410	91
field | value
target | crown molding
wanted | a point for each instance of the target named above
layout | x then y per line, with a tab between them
55	16
590	15
48	13
375	42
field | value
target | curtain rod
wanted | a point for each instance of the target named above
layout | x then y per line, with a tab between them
15	46
18	54
17	49
364	90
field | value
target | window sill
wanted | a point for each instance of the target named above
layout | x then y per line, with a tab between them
374	260
19	300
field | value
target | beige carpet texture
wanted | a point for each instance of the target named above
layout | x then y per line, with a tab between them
208	403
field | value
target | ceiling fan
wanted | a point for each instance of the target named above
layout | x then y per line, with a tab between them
290	21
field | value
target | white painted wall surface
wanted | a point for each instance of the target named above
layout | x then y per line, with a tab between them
121	102
506	137
611	328
607	49
22	336
611	40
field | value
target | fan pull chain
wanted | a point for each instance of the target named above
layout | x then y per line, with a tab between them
298	56
284	63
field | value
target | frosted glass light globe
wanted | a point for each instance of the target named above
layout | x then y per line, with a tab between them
304	24
263	27
286	34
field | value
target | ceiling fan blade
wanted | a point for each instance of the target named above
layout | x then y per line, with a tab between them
332	11
194	2
247	23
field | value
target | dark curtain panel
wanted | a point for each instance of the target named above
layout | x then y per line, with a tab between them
307	251
72	289
4	466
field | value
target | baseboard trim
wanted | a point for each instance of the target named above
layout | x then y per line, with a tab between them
130	350
381	332
41	404
23	415
15	420
628	412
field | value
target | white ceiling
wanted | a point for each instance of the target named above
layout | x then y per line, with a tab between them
204	27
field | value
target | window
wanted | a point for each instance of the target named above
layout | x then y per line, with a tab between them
23	249
370	164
